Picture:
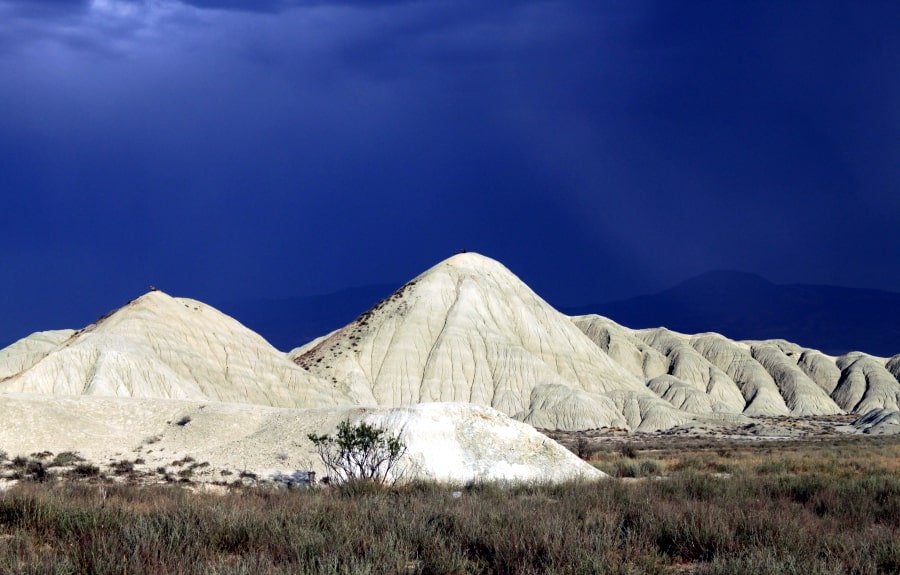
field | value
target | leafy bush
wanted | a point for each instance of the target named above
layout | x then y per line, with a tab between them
360	452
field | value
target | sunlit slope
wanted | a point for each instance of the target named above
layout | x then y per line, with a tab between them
708	373
29	350
469	330
158	346
446	441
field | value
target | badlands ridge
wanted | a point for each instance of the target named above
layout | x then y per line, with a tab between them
465	360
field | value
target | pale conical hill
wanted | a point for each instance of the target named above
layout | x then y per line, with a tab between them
469	330
158	346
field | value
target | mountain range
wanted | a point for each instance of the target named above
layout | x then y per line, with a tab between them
464	348
835	320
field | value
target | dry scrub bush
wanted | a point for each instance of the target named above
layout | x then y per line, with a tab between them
360	453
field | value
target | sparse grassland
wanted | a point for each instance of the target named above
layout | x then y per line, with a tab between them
828	507
834	457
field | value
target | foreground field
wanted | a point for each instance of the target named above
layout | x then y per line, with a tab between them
776	509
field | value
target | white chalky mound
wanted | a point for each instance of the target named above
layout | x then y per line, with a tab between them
459	442
469	330
467	333
446	441
29	350
162	347
708	374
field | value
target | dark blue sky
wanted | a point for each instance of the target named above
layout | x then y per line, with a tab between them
229	149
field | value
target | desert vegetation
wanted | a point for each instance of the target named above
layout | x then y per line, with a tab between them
660	456
831	507
360	452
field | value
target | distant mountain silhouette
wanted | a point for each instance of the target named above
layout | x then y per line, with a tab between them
291	322
746	306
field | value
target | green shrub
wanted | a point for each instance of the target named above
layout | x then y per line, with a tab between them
360	453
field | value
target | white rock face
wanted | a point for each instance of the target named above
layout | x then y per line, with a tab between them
469	330
880	422
624	346
447	442
708	374
169	348
466	331
865	384
682	395
688	365
893	366
820	368
562	407
28	351
801	394
458	442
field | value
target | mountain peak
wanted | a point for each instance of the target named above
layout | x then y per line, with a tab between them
472	262
158	346
469	330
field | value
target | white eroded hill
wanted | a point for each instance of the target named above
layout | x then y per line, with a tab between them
708	373
163	378
466	332
158	346
469	330
29	350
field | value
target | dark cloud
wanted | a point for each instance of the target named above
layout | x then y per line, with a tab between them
279	5
45	7
599	149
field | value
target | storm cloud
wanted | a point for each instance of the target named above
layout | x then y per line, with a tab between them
230	149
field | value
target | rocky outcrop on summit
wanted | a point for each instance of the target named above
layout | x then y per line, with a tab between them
158	346
469	330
